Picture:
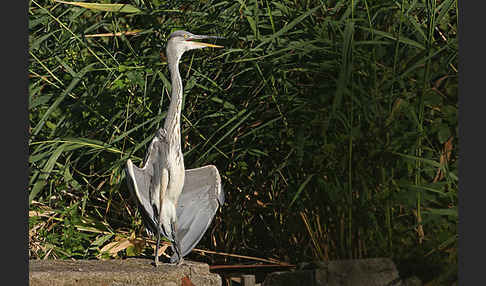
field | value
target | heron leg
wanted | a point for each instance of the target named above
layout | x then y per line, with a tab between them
156	261
177	253
180	260
176	248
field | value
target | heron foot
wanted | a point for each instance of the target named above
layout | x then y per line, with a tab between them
156	262
177	263
180	261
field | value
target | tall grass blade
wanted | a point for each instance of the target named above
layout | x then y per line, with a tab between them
121	8
300	189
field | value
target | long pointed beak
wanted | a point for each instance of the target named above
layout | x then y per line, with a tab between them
201	37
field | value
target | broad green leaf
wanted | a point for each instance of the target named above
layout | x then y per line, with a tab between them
401	39
447	212
444	133
252	23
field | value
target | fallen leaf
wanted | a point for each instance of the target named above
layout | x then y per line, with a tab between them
186	281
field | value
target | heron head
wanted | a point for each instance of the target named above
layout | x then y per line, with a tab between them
182	41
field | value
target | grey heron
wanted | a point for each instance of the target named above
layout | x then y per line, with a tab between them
177	203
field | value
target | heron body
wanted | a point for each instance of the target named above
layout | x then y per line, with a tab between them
177	203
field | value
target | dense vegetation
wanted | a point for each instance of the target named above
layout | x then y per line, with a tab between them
333	124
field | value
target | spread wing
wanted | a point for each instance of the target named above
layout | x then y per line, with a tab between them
144	183
200	198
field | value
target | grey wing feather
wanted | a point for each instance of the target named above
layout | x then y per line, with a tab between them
143	182
200	198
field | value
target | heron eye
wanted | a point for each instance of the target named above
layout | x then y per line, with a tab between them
186	36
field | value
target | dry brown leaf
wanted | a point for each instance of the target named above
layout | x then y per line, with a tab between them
127	33
260	203
419	229
444	158
162	249
114	247
41	214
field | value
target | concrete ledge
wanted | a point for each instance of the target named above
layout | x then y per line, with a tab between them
127	272
363	272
